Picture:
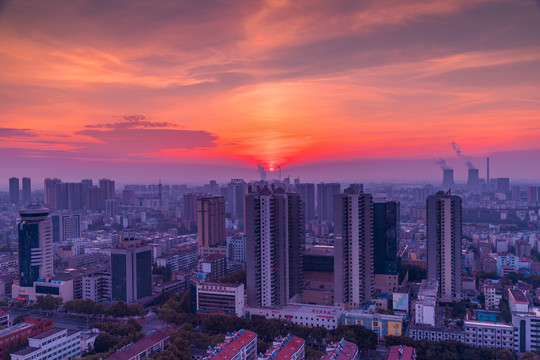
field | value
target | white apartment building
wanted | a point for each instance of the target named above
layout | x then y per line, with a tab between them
96	287
55	344
489	335
492	290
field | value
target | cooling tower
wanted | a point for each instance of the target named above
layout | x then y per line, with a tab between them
473	183
448	179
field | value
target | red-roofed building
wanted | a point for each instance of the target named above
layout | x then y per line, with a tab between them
342	350
22	331
154	342
286	348
242	345
400	352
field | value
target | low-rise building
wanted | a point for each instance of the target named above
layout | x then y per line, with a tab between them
382	325
433	333
328	317
22	331
489	335
220	298
54	344
492	290
55	287
152	343
214	265
517	301
286	348
4	318
426	305
241	345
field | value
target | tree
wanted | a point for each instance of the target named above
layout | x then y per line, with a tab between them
19	319
48	302
529	356
236	277
104	342
506	316
364	338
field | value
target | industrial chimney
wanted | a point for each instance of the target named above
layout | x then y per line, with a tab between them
448	179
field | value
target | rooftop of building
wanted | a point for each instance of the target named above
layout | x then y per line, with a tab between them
218	284
342	350
48	333
146	342
284	348
3	313
319	250
230	347
213	257
400	352
14	329
518	296
487	323
25	351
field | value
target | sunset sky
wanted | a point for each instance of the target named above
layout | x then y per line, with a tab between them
187	91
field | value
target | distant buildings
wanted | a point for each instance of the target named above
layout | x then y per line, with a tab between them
14	190
236	190
325	200
211	221
26	190
444	244
353	249
65	226
307	191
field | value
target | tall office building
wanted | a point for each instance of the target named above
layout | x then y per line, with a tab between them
386	236
14	190
325	198
131	269
26	190
503	185
307	191
237	188
65	226
190	206
107	190
274	242
353	248
49	189
35	245
211	221
444	244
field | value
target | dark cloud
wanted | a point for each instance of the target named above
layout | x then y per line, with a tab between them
133	122
11	132
129	142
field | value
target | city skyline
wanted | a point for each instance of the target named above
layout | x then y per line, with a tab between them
194	91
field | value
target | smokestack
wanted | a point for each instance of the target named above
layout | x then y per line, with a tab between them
473	183
448	179
487	177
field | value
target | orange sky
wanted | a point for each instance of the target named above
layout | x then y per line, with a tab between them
114	85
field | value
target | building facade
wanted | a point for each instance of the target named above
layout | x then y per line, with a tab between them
35	245
444	244
353	249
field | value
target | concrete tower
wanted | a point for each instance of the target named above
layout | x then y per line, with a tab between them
353	249
444	244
